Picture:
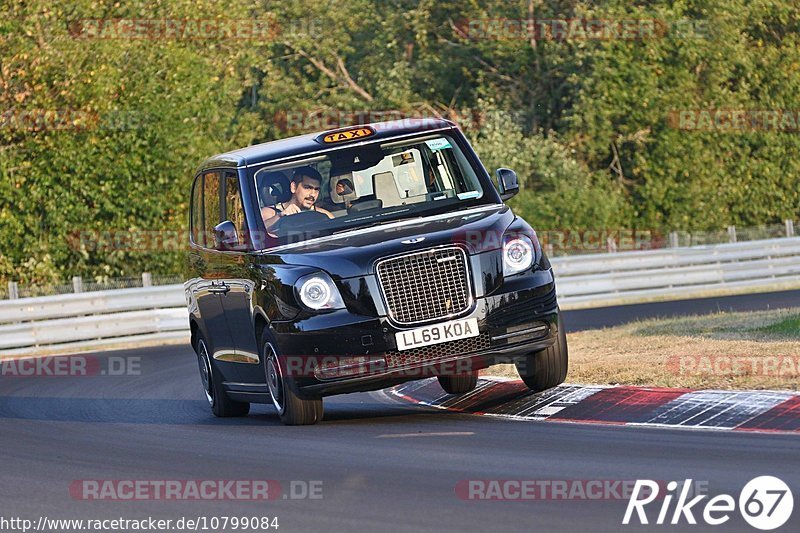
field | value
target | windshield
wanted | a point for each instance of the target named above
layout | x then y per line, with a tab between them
365	185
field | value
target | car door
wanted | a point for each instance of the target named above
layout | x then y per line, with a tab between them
208	267
238	277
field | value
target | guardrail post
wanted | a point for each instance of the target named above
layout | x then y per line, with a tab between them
732	233
790	228
673	239
13	290
147	279
611	245
77	284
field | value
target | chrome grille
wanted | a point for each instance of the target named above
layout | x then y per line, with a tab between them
425	285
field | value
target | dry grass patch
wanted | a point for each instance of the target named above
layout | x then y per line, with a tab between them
759	350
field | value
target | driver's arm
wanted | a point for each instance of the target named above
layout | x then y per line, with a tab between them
325	212
270	216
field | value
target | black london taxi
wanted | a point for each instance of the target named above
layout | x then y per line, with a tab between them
360	258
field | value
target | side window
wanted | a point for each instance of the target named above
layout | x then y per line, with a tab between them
211	206
196	215
234	209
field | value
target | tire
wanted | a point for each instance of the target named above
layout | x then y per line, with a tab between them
221	405
460	383
546	368
292	409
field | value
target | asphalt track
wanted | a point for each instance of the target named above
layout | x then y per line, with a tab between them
384	464
582	319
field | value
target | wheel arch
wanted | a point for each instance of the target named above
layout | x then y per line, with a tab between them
260	323
194	329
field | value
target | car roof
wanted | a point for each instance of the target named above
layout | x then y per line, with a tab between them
305	144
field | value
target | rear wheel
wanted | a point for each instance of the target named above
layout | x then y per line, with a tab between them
292	409
460	383
221	405
546	368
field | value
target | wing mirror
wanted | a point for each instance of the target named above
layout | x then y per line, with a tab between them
509	185
225	236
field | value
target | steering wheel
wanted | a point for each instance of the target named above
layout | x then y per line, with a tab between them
302	221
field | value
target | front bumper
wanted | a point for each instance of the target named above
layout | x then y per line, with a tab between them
343	352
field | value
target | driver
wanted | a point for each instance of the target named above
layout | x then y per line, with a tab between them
305	185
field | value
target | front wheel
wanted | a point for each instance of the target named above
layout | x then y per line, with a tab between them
460	383
292	409
546	368
221	405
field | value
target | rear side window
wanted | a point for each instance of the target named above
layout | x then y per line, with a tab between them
197	212
211	206
234	209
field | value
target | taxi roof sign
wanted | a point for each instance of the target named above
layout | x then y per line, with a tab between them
347	134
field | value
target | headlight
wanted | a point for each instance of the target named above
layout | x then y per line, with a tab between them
518	254
318	292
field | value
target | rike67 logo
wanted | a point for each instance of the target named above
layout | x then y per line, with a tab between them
765	503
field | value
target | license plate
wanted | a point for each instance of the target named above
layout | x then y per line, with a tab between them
437	333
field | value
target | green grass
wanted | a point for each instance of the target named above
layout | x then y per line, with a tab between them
789	327
756	326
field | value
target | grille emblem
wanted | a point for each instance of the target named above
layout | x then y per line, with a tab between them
415	240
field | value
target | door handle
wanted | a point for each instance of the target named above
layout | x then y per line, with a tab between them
219	289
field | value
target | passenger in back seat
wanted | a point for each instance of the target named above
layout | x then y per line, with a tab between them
345	188
341	194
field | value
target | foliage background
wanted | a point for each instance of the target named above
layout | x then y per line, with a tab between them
584	122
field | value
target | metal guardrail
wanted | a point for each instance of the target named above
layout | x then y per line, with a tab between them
91	303
75	321
611	278
72	321
92	327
